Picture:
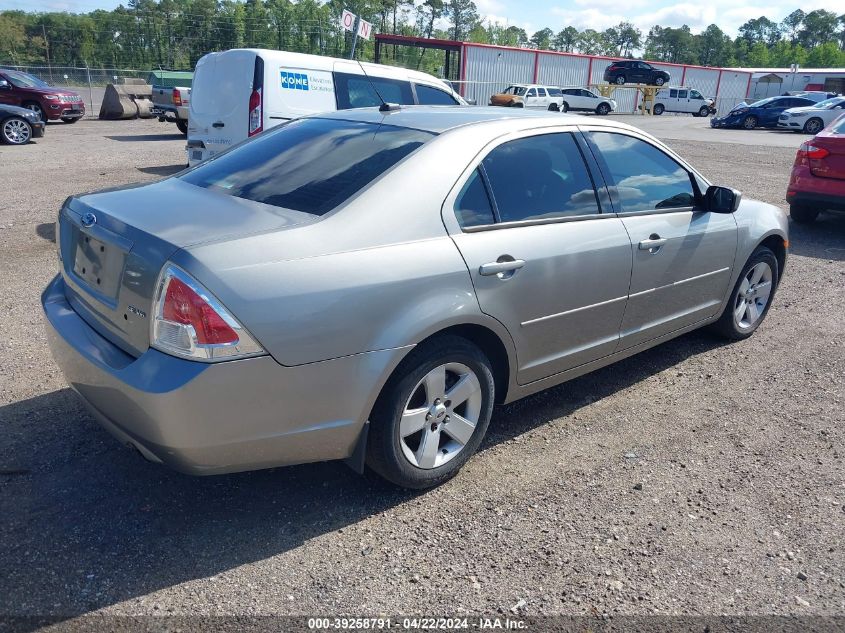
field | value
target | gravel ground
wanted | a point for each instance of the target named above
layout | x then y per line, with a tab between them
695	478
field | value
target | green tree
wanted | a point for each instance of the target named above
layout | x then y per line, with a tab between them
714	47
818	27
464	17
542	39
791	25
758	55
826	55
566	40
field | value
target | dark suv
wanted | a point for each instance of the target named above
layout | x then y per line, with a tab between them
634	71
28	91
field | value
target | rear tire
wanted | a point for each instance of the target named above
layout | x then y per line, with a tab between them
183	126
659	109
411	413
803	214
565	107
751	297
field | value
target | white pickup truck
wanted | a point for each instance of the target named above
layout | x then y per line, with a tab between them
171	102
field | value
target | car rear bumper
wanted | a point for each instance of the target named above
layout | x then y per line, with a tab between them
825	201
208	418
822	193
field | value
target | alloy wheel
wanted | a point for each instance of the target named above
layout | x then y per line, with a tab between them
17	131
813	126
752	297
440	415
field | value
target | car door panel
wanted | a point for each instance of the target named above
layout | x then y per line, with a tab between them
682	257
681	282
564	307
550	267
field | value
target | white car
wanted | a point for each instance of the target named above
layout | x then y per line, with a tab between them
812	119
533	96
681	99
586	101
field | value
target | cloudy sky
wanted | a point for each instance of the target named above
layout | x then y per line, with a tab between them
533	15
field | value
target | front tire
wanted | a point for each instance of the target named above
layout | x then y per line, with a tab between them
659	81
704	111
603	109
803	214
35	107
751	297
432	414
813	126
15	131
749	122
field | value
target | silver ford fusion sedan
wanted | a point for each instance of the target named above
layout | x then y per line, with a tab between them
366	285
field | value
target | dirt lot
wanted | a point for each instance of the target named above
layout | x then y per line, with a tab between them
738	449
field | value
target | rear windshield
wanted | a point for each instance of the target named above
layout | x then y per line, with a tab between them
310	165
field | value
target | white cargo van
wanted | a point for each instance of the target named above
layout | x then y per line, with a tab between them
681	99
241	92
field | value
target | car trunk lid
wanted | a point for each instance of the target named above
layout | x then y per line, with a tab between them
114	244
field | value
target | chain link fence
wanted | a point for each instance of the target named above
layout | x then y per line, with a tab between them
90	83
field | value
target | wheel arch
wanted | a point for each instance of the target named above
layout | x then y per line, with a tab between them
777	244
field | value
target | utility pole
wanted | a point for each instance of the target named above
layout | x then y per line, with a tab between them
47	51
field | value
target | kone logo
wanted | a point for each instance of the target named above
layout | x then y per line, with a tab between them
294	81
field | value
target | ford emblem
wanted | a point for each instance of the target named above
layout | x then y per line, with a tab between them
89	219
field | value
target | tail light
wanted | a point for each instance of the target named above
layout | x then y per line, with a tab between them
809	151
190	322
255	119
177	97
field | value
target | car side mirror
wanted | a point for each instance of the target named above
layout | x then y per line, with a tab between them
722	199
4	84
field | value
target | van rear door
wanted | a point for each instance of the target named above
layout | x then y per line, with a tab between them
219	112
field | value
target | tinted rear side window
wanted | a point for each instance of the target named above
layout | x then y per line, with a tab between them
358	91
426	95
540	177
473	206
310	165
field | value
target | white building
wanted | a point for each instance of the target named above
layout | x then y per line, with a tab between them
769	82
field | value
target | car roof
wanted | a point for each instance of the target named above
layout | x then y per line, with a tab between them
439	119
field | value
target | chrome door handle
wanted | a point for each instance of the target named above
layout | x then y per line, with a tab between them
495	268
653	243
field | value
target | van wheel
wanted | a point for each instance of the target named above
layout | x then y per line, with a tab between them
603	109
659	109
432	414
704	111
620	80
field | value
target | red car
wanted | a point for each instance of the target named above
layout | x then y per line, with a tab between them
28	91
817	182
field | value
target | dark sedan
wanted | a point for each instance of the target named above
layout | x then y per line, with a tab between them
18	126
763	113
